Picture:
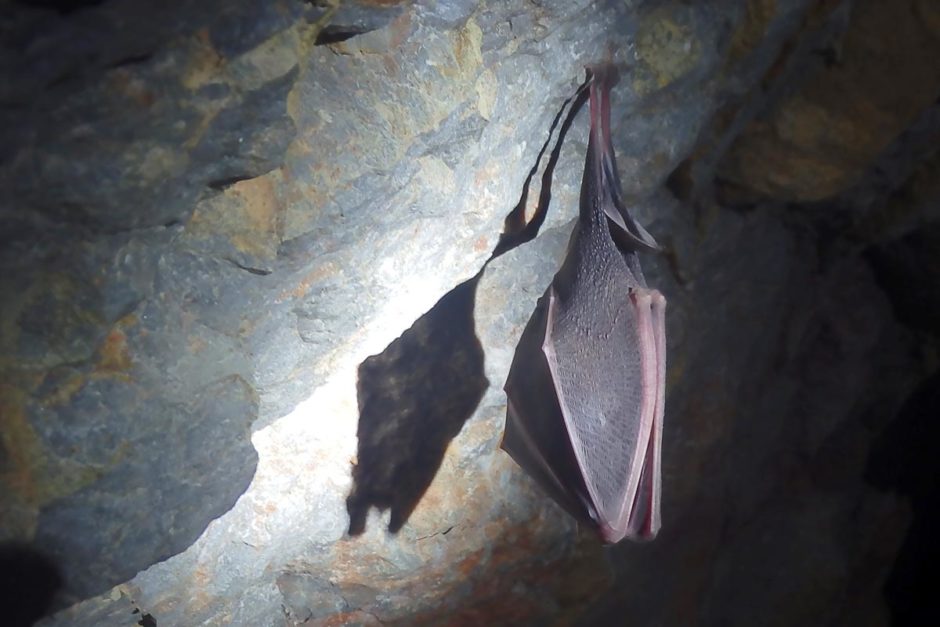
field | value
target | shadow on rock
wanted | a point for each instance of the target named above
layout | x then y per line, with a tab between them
417	394
28	583
414	398
904	460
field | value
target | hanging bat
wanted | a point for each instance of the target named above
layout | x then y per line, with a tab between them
586	385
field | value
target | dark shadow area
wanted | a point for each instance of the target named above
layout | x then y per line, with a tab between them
906	269
415	396
413	399
64	7
337	34
28	583
147	621
904	459
352	19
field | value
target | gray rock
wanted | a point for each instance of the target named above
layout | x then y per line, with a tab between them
245	310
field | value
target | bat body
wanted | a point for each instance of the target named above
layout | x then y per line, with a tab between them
586	386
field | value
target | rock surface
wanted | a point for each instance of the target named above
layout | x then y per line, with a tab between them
219	220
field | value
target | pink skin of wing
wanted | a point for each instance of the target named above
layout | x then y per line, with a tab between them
639	517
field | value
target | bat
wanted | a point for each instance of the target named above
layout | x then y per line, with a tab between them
586	388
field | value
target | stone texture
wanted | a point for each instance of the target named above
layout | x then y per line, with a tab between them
219	220
821	138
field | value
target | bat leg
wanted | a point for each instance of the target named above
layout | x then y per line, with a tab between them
645	520
659	330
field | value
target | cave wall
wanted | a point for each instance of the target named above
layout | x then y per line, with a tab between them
243	279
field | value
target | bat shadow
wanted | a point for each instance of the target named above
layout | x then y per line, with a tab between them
416	395
414	398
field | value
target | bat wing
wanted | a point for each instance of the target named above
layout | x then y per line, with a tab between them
626	231
585	394
535	436
601	348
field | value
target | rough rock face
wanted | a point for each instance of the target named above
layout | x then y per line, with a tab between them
245	305
872	84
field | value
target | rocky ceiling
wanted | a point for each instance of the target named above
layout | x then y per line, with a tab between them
252	357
